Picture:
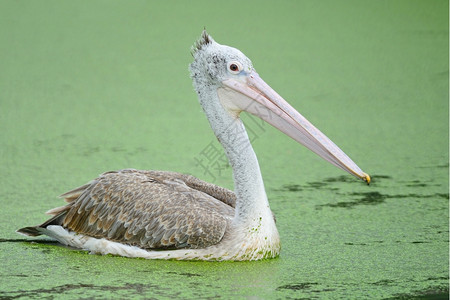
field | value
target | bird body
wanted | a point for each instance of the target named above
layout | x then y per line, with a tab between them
129	212
168	215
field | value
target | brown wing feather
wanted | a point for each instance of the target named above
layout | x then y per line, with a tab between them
150	209
226	196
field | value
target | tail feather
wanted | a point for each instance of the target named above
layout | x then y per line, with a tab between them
59	213
36	230
29	231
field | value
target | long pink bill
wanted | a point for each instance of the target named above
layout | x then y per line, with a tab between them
262	101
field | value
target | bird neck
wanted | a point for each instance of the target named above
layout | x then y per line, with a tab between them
251	203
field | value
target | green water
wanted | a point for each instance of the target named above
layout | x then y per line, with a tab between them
91	86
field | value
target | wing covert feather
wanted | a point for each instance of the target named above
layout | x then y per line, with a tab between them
149	209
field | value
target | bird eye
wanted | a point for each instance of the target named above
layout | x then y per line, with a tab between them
234	67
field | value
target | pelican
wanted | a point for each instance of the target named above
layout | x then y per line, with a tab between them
169	215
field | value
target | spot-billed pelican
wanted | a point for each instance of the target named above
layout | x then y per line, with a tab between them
168	215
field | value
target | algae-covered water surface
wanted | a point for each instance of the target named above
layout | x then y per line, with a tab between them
87	87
